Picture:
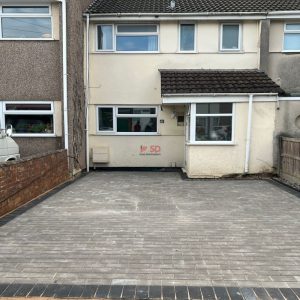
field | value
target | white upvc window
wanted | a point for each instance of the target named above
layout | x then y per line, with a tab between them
231	37
128	38
127	120
212	123
25	22
187	37
291	37
29	118
105	37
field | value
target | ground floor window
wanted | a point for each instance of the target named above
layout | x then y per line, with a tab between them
29	118
211	123
127	120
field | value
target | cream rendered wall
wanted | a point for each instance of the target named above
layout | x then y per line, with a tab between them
217	161
125	151
209	37
276	36
134	79
109	71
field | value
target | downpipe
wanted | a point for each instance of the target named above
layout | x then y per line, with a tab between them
65	75
87	92
249	131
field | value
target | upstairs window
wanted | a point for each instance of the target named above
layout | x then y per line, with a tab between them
137	38
127	38
105	37
230	37
25	22
187	37
292	37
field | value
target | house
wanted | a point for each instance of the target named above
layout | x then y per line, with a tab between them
200	85
41	83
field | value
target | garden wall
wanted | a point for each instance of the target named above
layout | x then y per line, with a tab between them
22	181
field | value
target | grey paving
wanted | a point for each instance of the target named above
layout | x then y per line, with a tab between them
156	229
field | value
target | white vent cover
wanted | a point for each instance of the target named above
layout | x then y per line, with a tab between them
101	155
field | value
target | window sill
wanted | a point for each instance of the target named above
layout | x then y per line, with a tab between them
187	52
291	51
231	51
126	52
126	134
33	135
24	39
211	144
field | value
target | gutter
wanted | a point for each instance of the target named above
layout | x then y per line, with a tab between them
169	17
284	14
65	75
197	15
179	14
87	92
288	98
218	94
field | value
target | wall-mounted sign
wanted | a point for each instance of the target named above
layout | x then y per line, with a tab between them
150	150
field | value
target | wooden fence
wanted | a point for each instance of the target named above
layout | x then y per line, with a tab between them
289	162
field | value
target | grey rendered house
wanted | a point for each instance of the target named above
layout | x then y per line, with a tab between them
41	83
202	85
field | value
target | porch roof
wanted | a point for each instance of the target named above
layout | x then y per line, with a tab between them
178	82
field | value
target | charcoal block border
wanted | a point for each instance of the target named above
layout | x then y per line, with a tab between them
68	291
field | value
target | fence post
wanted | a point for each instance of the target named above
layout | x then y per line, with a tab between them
279	160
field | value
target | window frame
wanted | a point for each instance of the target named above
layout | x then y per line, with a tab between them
195	37
114	119
113	39
24	15
240	38
29	112
285	30
116	34
116	115
192	129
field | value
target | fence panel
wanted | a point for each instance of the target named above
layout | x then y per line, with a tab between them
289	168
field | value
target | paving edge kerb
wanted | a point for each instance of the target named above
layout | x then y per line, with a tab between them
144	292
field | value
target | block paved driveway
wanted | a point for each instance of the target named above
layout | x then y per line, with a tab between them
150	228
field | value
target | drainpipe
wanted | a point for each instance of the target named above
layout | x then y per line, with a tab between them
249	129
65	74
87	92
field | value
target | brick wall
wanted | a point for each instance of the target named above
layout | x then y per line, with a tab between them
27	179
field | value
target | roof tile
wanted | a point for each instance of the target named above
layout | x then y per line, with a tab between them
217	81
191	6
